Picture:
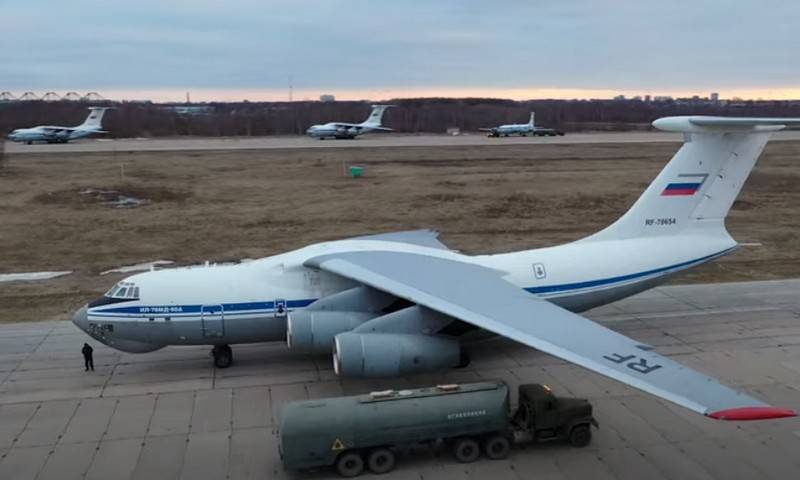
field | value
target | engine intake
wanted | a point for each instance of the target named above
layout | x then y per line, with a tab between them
392	354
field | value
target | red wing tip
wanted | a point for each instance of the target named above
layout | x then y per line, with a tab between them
752	413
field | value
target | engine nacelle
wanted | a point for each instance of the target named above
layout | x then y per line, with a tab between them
392	354
312	331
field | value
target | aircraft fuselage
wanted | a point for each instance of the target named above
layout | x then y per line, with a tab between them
248	302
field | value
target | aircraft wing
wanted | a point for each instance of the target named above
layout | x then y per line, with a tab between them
479	296
54	130
486	129
382	129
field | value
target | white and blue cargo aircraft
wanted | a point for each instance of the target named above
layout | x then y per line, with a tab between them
403	303
522	129
339	130
51	134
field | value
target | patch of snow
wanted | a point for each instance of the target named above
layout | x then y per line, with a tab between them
139	267
31	276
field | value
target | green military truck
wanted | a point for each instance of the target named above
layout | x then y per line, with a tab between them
355	432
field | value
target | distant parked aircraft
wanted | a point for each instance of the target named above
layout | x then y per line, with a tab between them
340	130
521	129
52	134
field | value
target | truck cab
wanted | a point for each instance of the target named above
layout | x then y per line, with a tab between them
542	416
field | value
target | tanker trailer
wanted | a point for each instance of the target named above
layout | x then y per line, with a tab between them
355	432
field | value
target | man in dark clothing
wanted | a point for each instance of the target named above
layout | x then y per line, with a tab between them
87	356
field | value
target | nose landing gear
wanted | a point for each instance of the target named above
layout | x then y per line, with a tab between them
223	356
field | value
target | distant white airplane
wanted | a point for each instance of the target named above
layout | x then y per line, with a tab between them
52	134
521	129
340	130
404	303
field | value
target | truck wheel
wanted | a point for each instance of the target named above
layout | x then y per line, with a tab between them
350	464
381	460
497	447
580	436
466	450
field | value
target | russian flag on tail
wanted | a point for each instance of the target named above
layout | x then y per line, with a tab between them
687	185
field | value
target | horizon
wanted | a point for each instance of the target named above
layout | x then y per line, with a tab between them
177	95
254	49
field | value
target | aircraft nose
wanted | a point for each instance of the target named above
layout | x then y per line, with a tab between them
81	318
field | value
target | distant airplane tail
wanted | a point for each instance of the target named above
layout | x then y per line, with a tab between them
376	116
696	189
531	121
95	119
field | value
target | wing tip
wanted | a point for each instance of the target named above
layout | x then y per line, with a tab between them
752	413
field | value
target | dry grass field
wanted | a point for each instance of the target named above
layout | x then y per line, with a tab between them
56	212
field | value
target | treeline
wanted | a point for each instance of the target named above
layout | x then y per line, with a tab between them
425	115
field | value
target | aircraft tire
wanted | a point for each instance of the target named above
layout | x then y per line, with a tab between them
223	356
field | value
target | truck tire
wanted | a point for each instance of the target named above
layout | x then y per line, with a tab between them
380	460
580	436
349	464
497	447
466	450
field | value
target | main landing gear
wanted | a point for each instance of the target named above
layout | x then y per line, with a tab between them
223	356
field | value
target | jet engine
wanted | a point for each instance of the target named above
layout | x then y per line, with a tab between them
392	354
312	331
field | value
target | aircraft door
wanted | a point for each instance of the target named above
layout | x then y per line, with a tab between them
213	321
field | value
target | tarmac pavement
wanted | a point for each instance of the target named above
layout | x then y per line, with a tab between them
170	414
366	141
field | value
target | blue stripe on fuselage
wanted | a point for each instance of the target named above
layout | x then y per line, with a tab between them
267	307
622	278
228	308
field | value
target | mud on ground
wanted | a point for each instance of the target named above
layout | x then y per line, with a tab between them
229	205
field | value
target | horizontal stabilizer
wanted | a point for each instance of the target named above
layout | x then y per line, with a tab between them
700	124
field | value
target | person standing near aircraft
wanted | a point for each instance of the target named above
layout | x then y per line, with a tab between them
87	352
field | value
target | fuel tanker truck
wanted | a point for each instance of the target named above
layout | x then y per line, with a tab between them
354	432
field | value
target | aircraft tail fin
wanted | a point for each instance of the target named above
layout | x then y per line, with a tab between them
376	116
531	121
95	119
697	188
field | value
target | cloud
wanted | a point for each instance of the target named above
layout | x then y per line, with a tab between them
246	45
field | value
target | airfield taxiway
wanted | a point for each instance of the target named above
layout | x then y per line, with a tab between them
170	414
371	140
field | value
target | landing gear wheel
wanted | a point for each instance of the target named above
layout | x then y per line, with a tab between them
580	436
466	450
350	464
497	447
223	356
380	460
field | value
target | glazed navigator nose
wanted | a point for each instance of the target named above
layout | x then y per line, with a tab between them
81	319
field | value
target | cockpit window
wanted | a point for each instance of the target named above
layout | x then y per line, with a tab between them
126	290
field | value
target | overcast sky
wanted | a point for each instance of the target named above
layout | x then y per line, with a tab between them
378	48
